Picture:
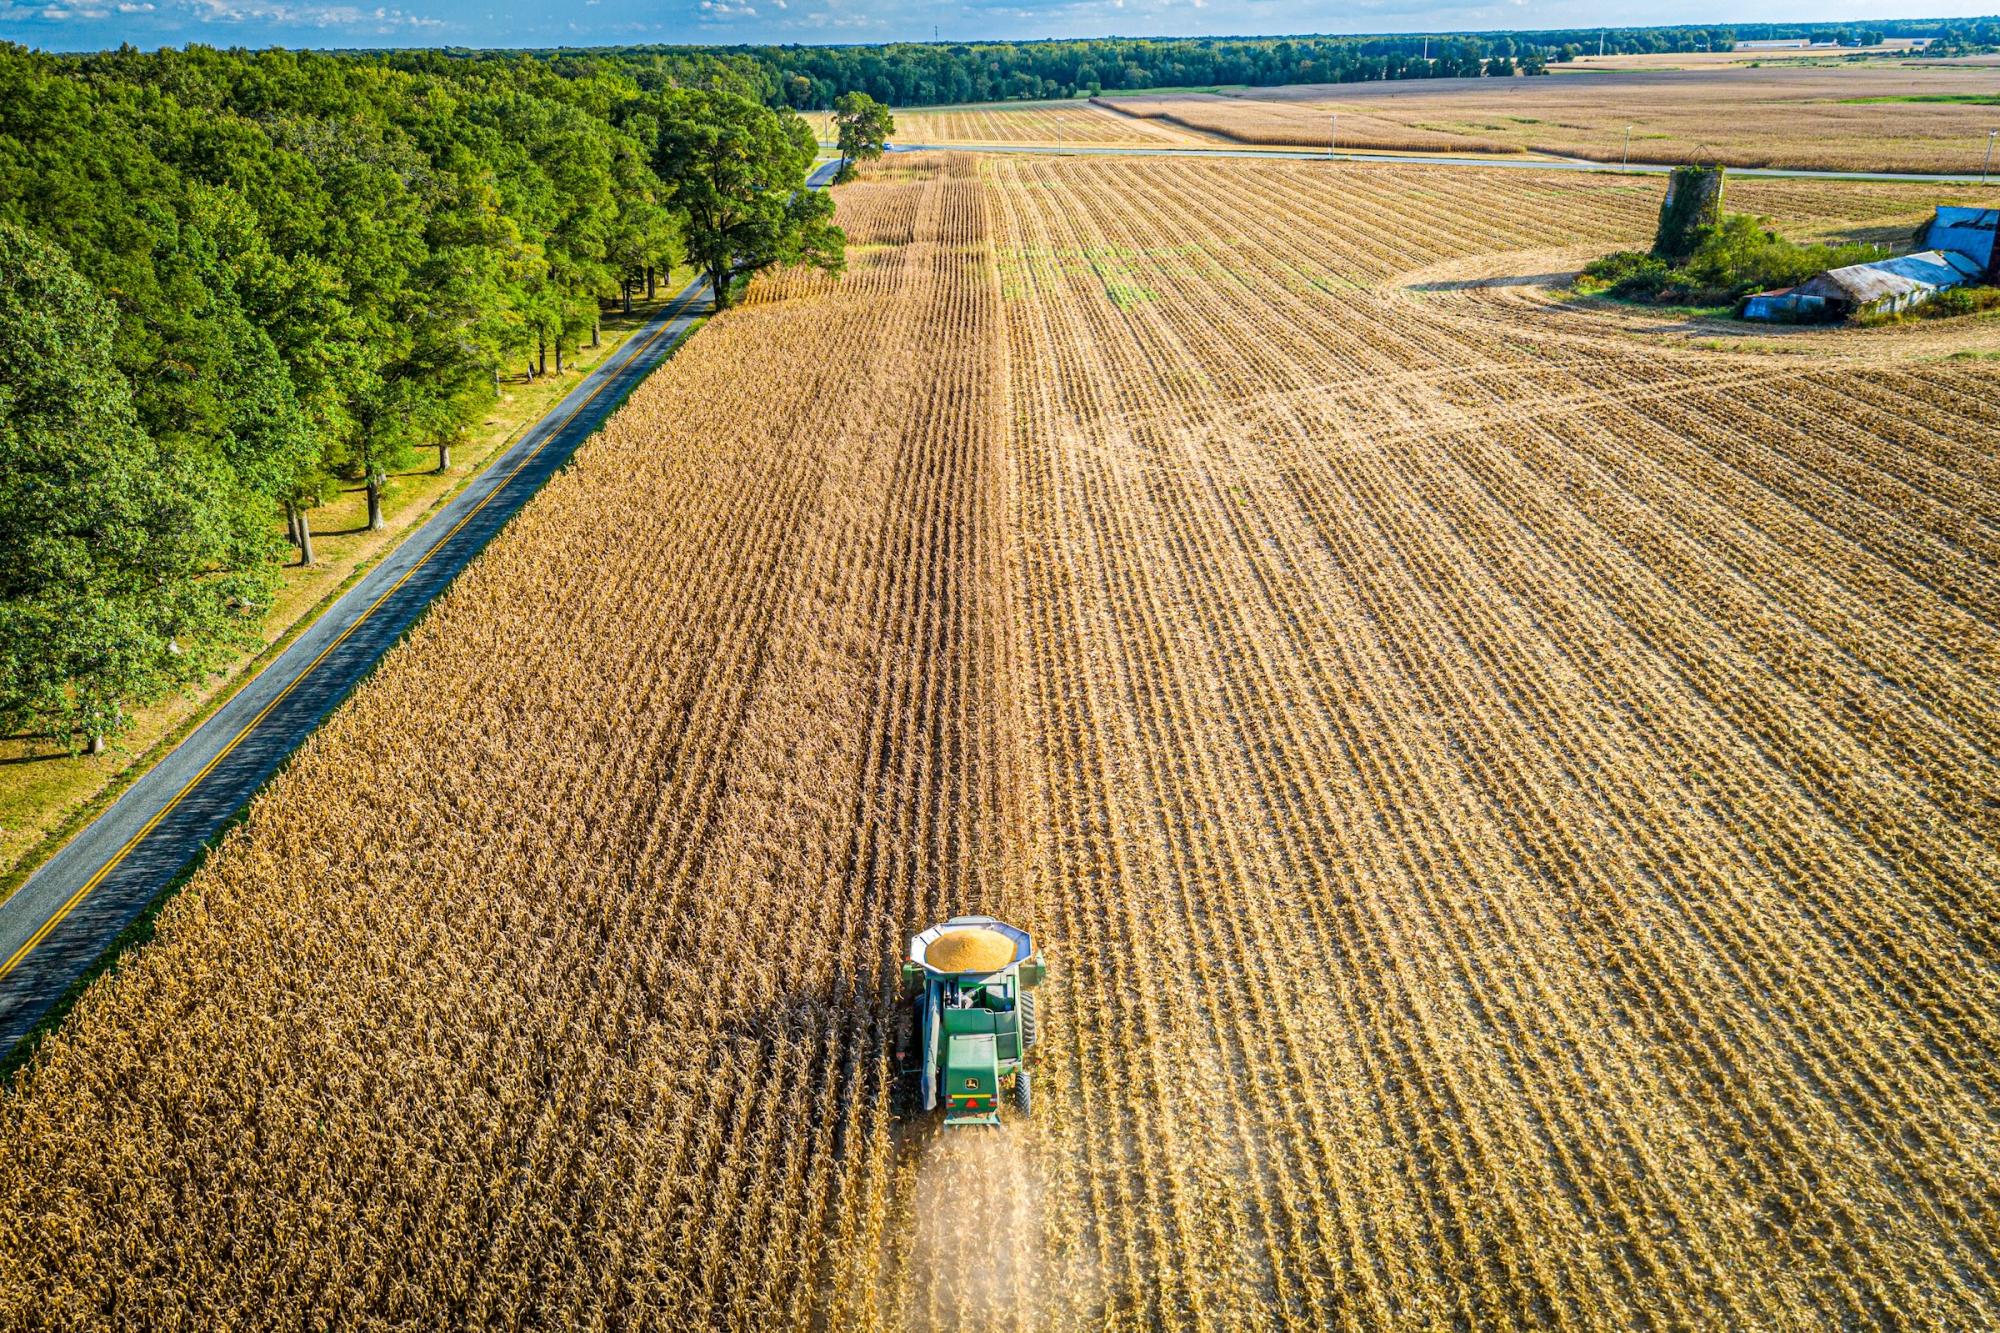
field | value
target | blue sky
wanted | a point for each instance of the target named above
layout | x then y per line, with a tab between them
71	25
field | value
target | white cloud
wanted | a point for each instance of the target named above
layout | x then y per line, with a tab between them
378	19
189	15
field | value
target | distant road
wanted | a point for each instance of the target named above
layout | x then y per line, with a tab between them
1417	159
61	921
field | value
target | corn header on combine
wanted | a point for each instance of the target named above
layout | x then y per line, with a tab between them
971	1020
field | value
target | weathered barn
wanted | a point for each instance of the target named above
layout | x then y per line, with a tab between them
1889	286
1965	231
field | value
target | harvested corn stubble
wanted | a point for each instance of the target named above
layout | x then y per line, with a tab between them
974	950
1511	799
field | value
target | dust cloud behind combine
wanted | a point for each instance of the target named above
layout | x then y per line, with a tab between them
975	1225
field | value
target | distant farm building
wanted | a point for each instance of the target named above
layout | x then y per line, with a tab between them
1889	286
1964	231
1785	305
1961	250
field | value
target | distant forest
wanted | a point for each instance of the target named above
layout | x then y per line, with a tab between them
936	74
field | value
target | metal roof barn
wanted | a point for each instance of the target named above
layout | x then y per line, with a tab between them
1891	285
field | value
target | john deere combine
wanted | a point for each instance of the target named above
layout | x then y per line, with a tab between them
971	982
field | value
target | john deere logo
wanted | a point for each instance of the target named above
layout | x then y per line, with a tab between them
972	1083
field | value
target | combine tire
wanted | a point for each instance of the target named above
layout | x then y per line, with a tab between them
1024	1094
1031	1031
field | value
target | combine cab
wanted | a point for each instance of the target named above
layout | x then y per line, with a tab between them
972	1022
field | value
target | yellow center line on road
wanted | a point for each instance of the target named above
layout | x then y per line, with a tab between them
33	941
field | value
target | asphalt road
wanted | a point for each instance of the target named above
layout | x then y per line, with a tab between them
61	921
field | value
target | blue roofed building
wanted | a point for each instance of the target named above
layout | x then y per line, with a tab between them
1884	287
1964	231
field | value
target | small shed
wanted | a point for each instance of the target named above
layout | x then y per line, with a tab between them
1784	305
1889	286
1964	231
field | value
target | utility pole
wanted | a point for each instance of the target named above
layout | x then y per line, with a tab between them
1333	134
1987	165
1628	147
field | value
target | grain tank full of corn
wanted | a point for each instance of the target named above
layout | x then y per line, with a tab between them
971	1019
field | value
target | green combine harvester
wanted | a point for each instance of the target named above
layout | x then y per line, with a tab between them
972	1020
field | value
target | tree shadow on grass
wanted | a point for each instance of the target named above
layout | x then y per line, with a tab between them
34	758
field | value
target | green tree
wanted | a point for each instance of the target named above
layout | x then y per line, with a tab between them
646	236
113	579
386	414
864	126
217	384
736	171
407	363
1741	255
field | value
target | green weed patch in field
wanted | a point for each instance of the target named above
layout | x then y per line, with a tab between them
1958	99
1126	294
